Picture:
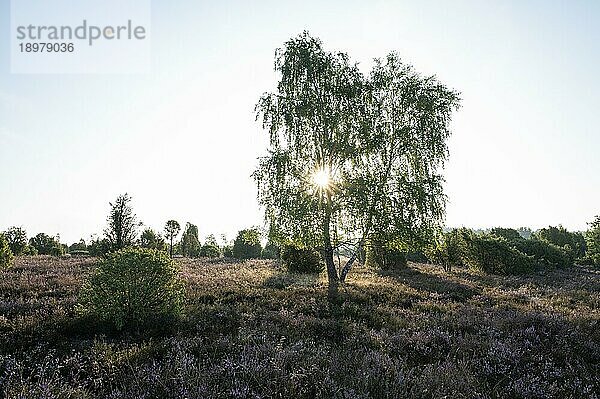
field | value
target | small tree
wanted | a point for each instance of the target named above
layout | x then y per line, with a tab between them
122	223
210	249
152	240
190	244
133	288
17	239
227	248
247	244
6	255
44	243
593	241
172	229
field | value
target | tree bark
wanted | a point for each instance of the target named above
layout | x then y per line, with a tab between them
328	251
350	262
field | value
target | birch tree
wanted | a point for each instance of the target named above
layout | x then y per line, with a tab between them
351	158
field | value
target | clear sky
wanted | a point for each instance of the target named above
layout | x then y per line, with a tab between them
182	139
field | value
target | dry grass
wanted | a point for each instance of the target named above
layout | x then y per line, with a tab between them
252	330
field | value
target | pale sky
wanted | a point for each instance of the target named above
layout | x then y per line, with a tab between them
182	139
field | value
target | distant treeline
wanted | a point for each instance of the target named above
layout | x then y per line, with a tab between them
497	250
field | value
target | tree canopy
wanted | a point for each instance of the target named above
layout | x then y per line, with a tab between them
152	240
122	223
351	157
190	244
172	229
17	240
44	244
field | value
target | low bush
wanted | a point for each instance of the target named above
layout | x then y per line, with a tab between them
301	260
30	251
132	288
494	255
210	251
6	255
449	249
99	247
270	251
384	257
149	239
572	243
58	250
43	243
228	251
503	251
77	246
545	253
247	244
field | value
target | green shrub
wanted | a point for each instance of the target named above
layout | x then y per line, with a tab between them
30	251
573	243
586	261
592	237
152	240
43	243
496	253
525	232
6	256
247	244
99	247
449	249
17	240
384	256
508	234
544	253
210	250
77	246
301	260
189	245
133	287
228	251
270	251
57	250
493	255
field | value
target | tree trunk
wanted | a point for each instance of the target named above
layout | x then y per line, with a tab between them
350	262
328	251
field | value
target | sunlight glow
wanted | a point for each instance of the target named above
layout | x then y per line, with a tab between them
321	178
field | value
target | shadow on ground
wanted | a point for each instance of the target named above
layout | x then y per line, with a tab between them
427	282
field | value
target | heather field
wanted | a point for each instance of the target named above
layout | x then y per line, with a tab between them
252	330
